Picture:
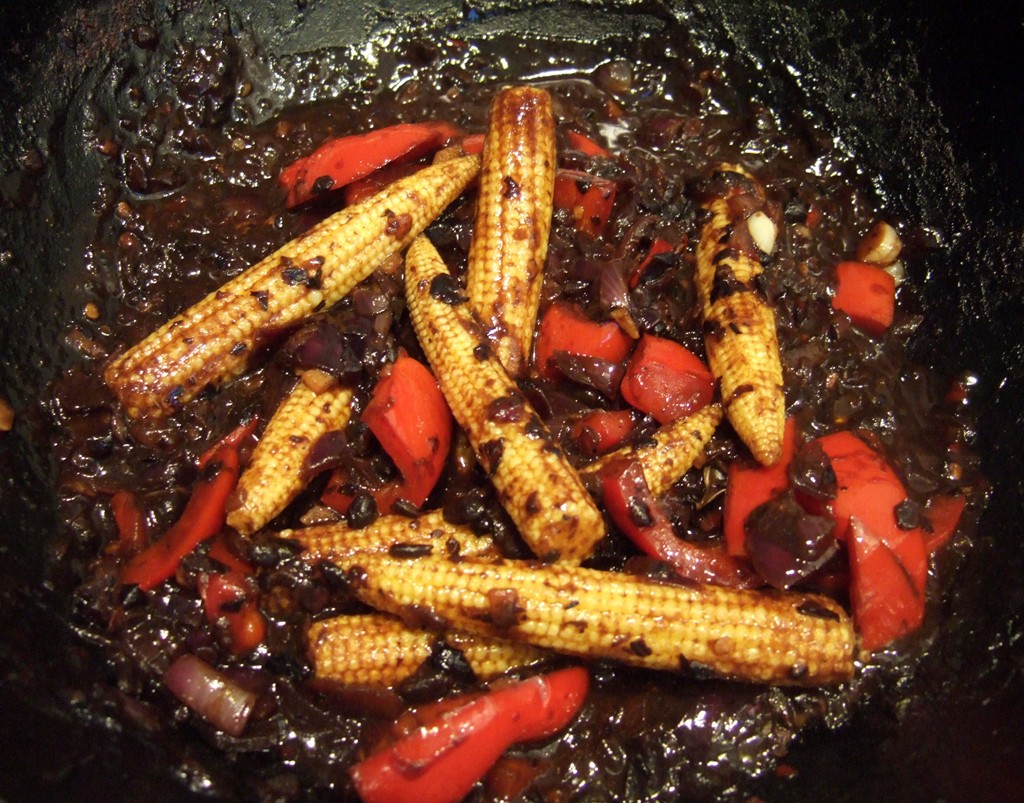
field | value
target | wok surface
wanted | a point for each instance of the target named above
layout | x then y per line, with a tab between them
934	117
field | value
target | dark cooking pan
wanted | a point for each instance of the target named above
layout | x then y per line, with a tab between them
922	96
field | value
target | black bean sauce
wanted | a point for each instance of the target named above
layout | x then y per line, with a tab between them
192	199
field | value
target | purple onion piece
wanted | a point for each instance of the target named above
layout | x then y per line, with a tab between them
612	290
602	375
785	543
210	693
811	472
322	345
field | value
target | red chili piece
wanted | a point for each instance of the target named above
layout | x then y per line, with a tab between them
232	599
343	160
659	246
751	486
589	198
666	380
565	328
441	763
637	514
867	294
603	430
584	144
132	536
202	518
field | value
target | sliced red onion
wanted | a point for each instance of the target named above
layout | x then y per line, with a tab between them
210	693
602	375
787	544
320	344
611	287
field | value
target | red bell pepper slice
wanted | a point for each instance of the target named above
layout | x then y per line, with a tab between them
584	144
867	294
409	416
749	487
363	188
666	380
233	599
603	430
564	327
441	763
636	513
943	513
221	552
659	246
342	160
237	439
202	518
473	144
887	584
589	198
866	487
132	536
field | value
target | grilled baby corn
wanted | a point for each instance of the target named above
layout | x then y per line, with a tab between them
739	324
763	637
211	342
274	476
394	534
536	485
674	449
513	221
378	650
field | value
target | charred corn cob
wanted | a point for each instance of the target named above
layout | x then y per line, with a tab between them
513	221
211	342
274	476
378	650
674	449
536	485
428	533
739	324
763	637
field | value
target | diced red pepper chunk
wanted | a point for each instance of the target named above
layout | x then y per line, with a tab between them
943	513
867	294
409	416
564	328
603	430
584	144
588	198
749	487
659	246
233	599
666	380
887	584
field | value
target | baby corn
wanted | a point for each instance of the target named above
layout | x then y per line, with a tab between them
762	637
428	533
378	650
211	342
274	476
513	221
675	448
535	483
739	324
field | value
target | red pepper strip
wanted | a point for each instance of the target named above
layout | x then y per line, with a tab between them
887	584
440	764
472	144
132	536
335	495
866	487
343	160
943	513
603	430
751	486
232	599
408	414
221	552
564	327
659	246
203	517
867	294
589	198
636	513
363	188
666	380
584	144
235	439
